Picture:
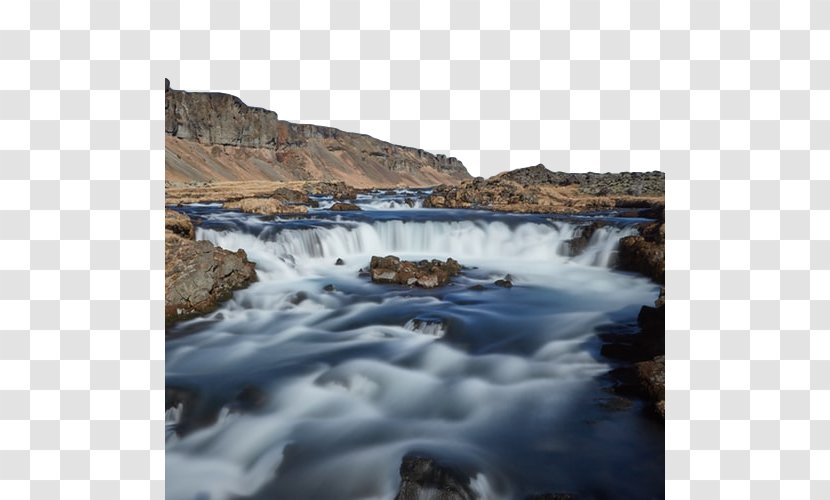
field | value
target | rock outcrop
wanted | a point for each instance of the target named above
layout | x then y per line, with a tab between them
539	190
265	206
645	253
198	275
215	136
424	274
424	477
344	207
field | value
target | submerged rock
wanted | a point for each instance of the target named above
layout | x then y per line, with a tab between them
424	274
506	282
265	206
198	275
423	477
329	288
344	207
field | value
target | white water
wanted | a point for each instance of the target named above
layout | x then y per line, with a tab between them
362	388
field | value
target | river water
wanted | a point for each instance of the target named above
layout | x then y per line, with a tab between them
505	384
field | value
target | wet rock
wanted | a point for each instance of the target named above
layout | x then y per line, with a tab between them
477	288
329	288
178	224
506	282
424	477
250	398
652	378
579	242
409	202
199	276
344	207
644	253
265	206
339	262
424	274
298	298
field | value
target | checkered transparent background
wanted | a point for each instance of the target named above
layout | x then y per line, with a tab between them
731	99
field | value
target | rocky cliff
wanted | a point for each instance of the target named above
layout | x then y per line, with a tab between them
216	137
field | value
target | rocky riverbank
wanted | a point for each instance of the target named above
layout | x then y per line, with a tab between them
539	190
198	276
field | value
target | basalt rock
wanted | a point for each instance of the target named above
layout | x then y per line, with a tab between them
582	236
424	274
424	477
344	207
216	136
339	262
644	253
199	276
265	206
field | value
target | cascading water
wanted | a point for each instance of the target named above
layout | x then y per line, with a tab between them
351	375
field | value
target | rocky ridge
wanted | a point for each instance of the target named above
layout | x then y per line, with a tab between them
539	190
215	136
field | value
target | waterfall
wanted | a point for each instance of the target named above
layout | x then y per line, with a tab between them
529	241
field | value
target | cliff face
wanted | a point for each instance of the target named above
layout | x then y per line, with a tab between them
214	136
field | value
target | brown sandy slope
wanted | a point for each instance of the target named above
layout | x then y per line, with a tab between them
216	137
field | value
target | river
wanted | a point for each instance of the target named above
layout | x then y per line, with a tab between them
504	383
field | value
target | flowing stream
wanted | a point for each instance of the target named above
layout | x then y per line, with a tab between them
504	383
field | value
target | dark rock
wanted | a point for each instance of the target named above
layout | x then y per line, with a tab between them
329	288
477	288
506	282
424	477
652	378
298	298
199	276
579	242
344	207
339	262
424	274
644	253
249	398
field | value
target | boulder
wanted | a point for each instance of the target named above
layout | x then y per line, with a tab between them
582	236
504	283
288	195
178	224
265	206
424	274
652	377
199	276
344	207
424	477
339	262
644	253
